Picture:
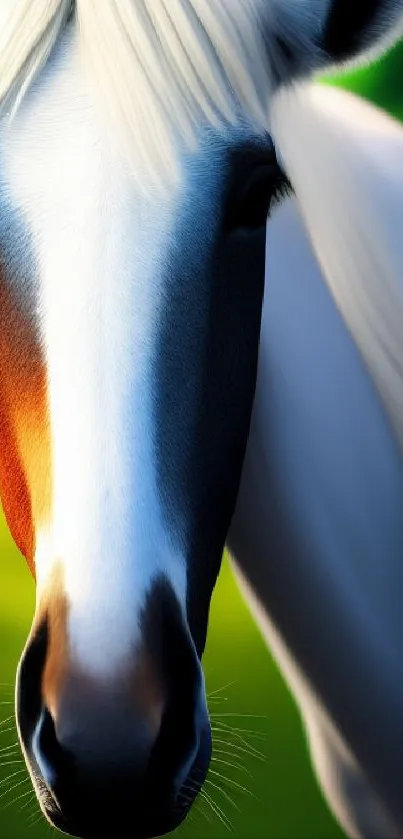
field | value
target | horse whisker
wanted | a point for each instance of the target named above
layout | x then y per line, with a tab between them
23	781
7	730
232	765
30	800
227	732
248	716
19	797
235	784
11	762
199	809
218	811
9	748
223	792
260	734
8	719
249	750
35	817
217	699
13	774
219	690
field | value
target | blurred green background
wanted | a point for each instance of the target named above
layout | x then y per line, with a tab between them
261	785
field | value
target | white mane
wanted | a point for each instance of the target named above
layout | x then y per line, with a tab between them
344	158
159	64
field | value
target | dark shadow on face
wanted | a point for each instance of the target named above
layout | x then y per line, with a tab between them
206	357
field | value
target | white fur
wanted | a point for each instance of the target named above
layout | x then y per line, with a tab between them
317	531
99	289
344	158
159	66
354	803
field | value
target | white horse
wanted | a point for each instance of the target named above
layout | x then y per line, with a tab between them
318	530
137	170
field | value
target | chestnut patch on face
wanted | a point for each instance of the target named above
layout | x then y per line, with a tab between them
25	468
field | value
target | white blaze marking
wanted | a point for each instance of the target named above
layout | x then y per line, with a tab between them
100	249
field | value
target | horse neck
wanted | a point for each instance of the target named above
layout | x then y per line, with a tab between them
318	530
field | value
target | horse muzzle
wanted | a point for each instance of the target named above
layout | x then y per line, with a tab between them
132	750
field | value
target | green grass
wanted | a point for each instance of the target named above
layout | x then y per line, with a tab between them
380	83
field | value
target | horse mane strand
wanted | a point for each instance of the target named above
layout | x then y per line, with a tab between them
158	65
344	159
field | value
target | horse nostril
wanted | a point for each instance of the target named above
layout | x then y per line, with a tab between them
195	778
47	750
30	670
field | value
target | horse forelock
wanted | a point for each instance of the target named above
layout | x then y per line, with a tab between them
163	66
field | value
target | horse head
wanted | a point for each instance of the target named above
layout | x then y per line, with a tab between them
137	175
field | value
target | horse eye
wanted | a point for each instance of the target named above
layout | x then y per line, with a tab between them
261	192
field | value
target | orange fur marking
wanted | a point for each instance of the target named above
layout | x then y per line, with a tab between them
25	462
56	672
149	694
139	684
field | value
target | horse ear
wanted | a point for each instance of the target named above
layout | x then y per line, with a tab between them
313	35
356	30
